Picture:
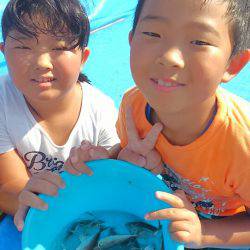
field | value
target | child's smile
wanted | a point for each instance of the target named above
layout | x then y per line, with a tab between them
44	82
166	85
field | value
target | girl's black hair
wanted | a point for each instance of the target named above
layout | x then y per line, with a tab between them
238	14
65	19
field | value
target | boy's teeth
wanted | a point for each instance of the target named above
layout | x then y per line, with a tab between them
166	84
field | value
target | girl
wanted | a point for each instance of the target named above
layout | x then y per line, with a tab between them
47	105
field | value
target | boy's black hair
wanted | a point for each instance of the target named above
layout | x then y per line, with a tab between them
65	19
238	13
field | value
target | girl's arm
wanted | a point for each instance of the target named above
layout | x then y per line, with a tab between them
13	177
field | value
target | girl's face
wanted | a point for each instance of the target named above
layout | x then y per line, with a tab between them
44	68
180	52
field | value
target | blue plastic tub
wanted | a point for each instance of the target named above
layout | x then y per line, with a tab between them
115	186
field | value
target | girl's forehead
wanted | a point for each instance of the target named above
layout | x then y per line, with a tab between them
15	35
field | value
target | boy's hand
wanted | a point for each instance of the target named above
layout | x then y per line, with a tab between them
42	183
86	152
185	225
141	151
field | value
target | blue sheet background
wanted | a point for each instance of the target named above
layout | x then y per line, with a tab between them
108	68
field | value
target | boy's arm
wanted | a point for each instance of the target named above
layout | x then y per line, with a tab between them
185	225
233	231
13	178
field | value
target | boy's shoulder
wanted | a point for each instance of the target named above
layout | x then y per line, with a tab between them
238	109
133	96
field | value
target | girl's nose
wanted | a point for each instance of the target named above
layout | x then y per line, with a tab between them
171	58
43	61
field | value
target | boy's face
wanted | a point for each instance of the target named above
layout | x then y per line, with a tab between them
180	52
42	69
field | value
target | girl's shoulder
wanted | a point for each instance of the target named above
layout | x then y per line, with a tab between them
95	97
8	91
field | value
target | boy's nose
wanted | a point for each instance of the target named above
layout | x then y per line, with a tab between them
43	61
171	58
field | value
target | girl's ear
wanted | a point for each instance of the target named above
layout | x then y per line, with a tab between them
85	54
236	64
2	47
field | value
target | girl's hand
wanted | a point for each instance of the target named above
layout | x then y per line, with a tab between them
141	151
86	152
42	183
185	225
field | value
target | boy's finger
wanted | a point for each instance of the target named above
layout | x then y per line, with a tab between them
172	214
150	140
153	159
20	216
182	195
176	226
130	156
159	169
30	199
181	236
133	137
51	177
171	199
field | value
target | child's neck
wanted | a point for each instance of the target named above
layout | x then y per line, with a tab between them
49	109
186	126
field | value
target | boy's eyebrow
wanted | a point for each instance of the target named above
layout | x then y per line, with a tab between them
199	24
205	27
152	17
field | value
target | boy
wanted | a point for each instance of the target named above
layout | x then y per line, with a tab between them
180	52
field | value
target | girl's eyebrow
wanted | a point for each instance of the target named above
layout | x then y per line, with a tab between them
19	37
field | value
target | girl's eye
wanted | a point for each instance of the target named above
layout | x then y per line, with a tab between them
22	47
200	43
152	34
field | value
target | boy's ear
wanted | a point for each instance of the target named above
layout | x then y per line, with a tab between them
236	64
85	54
130	37
2	47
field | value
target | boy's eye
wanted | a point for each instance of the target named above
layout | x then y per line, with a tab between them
200	43
62	48
22	47
151	34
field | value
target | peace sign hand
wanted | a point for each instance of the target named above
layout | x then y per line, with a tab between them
141	151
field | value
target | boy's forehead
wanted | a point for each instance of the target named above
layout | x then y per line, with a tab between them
187	7
189	15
